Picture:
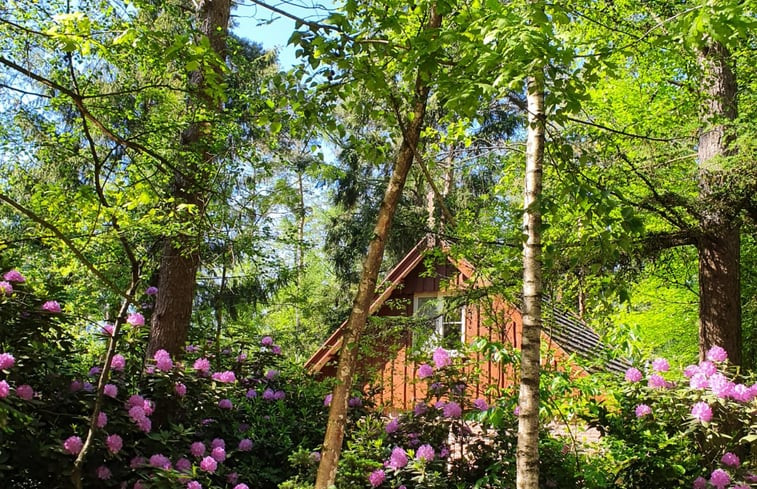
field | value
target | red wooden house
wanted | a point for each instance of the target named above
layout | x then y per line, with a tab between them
413	289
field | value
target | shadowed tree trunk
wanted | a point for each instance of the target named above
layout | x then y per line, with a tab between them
180	259
348	354
527	464
718	244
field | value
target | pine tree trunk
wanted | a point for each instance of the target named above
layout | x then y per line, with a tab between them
527	464
180	260
718	244
348	354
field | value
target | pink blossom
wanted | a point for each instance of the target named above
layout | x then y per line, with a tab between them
699	381
144	425
398	458
6	361
516	411
114	443
643	410
6	288
271	374
656	381
730	459
136	413
151	290
25	392
5	389
202	365
51	306
420	409
702	412
135	319
102	419
218	442
376	478
148	406
241	486
197	449
660	365
110	390
452	410
251	394
245	445
73	445
118	362
717	354
137	462
720	478
480	404
707	368
183	465
441	358
393	425
180	389
276	350
107	329
160	461
721	386
241	357
194	485
225	404
208	464
633	375
742	393
689	371
135	400
163	361
75	386
425	371
699	483
266	341
354	402
14	276
103	473
226	377
218	454
425	452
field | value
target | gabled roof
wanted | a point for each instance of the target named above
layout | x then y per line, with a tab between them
568	331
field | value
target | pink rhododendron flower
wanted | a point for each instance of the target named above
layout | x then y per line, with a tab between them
251	394
103	473
118	362
241	486
660	365
6	361
218	442
707	368
218	454
268	394
730	459
354	402
160	461
393	425
102	419
266	341
135	400
5	389
441	358
135	319
643	410
110	390
114	443
25	392
425	452
6	288
480	404
151	290
194	485
95	371
202	365
516	411
633	374
699	483
721	386
376	478
225	404
108	329
73	445
183	465
14	276
279	395
197	449
137	462
420	409
656	382
742	393
702	411
717	354
245	445
208	464
690	370
699	381
180	389
226	377
51	306
452	410
163	360
276	350
720	478
398	458
271	374
75	386
425	371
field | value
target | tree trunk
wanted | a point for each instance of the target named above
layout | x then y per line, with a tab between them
527	464
181	254
718	244
348	355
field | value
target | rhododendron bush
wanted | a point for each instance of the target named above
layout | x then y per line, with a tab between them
200	421
694	427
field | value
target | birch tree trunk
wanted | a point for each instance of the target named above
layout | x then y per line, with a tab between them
718	243
527	465
348	354
180	260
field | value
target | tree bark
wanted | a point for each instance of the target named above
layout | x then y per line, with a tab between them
348	355
180	259
527	464
718	244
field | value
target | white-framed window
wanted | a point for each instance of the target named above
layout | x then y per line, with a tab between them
445	321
